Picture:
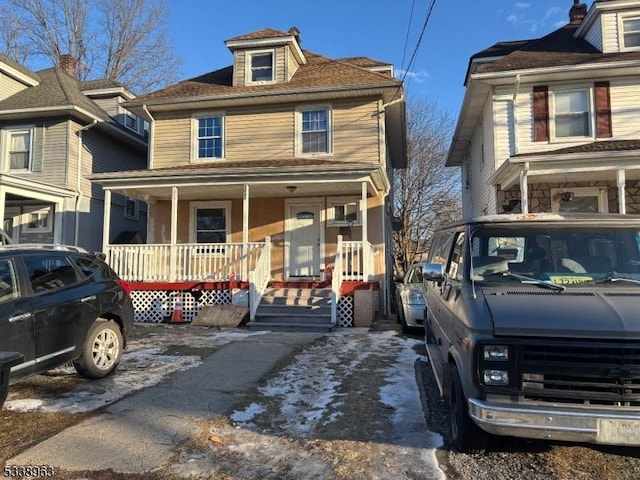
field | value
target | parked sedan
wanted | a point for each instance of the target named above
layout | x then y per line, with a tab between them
410	298
61	304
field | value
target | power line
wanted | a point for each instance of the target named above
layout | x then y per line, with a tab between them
406	38
415	50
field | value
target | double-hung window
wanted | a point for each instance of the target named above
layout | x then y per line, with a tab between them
261	67
572	116
19	148
631	33
130	121
210	223
130	208
209	137
314	131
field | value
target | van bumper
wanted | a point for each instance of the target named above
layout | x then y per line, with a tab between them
575	425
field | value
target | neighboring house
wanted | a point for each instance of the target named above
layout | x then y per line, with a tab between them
275	169
551	124
54	132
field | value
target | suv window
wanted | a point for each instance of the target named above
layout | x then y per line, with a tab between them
49	272
8	282
90	268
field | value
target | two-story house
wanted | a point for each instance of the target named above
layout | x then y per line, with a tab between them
275	170
551	124
55	131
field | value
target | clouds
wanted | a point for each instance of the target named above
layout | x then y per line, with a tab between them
534	20
421	76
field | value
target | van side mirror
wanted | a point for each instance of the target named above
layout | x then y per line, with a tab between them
433	272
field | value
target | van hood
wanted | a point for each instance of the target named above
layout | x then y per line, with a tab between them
594	313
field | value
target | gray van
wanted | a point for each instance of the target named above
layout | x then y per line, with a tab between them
533	327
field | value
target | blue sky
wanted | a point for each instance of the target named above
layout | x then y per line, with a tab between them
374	28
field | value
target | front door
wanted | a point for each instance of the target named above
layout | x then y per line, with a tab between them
303	229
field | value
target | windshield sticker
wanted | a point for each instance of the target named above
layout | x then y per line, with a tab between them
569	280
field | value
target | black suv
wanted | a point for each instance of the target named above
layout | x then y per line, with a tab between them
61	304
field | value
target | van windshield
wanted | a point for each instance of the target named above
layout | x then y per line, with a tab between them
560	255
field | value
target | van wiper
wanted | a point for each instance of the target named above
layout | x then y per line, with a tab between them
612	278
535	281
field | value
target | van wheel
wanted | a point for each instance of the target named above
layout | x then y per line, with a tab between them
466	436
102	350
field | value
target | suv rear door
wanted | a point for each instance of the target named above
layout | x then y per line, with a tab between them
16	319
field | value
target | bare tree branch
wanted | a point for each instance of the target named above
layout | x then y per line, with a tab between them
426	193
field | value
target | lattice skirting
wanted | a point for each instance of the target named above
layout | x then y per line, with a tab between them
157	306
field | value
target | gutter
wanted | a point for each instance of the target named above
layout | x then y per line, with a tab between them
78	179
150	145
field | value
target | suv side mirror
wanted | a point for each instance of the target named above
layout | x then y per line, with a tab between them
433	272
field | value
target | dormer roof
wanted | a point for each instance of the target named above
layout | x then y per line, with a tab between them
269	37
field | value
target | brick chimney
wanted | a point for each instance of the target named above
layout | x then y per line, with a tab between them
68	63
577	12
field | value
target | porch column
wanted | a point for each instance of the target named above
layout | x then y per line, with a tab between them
106	220
622	203
364	209
3	198
174	234
245	232
524	188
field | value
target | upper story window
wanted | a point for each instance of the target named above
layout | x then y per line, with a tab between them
631	33
209	142
19	148
314	132
572	116
130	121
261	67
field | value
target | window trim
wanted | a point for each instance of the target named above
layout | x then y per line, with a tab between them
249	66
136	207
195	139
298	135
601	193
28	210
588	90
337	201
621	31
193	211
134	117
8	132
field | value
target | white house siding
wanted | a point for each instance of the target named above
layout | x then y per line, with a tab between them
610	41
625	105
595	34
9	86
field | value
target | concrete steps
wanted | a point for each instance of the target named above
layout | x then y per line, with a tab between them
294	309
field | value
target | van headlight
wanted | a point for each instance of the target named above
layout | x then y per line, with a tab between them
496	353
495	377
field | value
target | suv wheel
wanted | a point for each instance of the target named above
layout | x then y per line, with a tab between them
102	350
466	436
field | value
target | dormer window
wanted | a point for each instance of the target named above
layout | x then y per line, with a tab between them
261	67
631	33
130	121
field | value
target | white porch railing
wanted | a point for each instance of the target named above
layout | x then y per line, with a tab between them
354	261
183	262
259	279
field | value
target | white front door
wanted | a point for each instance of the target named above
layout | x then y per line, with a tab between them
303	228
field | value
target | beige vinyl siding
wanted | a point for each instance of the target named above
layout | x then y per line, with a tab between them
241	57
239	62
625	105
610	39
109	105
252	134
292	64
595	34
9	86
172	142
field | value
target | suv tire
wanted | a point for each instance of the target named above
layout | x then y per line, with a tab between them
102	350
466	436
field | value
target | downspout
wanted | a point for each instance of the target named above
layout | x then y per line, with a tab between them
152	123
516	90
76	234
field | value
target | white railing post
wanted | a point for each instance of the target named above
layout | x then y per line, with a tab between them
259	278
336	281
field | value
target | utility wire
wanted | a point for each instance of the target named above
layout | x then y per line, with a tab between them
406	38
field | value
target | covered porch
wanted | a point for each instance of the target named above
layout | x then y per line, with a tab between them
244	230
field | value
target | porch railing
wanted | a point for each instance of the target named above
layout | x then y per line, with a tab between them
184	262
354	261
259	279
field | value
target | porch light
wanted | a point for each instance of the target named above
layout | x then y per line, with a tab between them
291	188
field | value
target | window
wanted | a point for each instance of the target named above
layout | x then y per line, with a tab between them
19	149
344	211
37	220
9	287
130	121
456	264
579	200
631	33
314	132
571	110
130	208
49	273
210	223
261	67
209	142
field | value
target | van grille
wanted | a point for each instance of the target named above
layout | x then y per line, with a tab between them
598	374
